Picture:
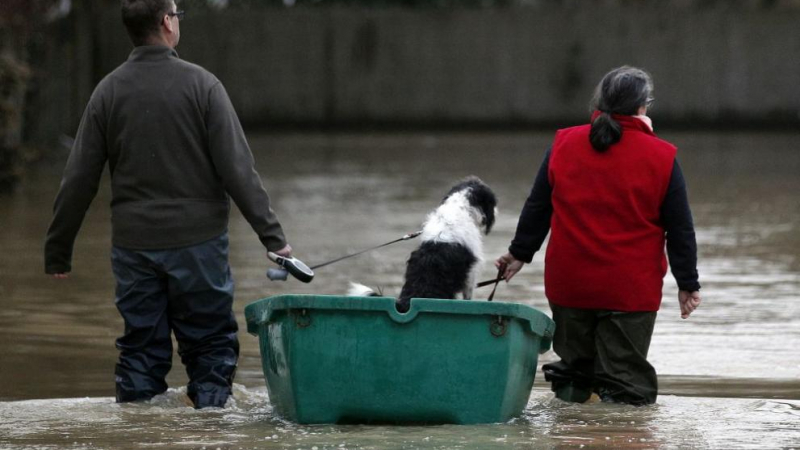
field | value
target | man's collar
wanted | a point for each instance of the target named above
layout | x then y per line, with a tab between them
152	53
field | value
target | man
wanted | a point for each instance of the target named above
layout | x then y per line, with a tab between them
176	153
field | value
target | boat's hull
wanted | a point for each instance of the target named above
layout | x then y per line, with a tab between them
333	359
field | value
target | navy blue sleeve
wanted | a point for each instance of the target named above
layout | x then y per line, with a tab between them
679	226
534	221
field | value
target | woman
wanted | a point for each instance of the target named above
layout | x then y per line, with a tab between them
610	193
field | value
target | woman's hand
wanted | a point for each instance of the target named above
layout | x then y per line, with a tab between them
509	265
689	301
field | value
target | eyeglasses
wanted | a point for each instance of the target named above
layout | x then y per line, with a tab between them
649	102
180	14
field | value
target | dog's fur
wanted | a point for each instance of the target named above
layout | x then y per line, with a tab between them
448	260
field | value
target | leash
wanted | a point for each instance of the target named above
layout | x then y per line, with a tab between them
302	272
404	238
499	278
496	281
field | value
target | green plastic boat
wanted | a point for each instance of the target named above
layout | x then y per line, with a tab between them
329	359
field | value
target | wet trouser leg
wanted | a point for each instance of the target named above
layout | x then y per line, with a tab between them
603	351
145	348
188	291
572	377
201	315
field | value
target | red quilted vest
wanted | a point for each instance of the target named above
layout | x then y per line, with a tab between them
606	248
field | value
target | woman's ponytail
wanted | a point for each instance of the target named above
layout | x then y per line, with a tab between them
622	91
605	132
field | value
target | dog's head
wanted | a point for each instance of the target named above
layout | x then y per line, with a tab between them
480	197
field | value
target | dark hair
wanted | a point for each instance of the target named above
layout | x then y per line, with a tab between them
622	91
143	17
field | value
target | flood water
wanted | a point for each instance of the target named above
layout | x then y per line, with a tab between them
729	376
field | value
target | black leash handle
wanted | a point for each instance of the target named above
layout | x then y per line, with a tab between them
493	281
497	280
404	238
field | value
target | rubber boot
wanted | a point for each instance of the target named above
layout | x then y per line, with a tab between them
572	393
568	384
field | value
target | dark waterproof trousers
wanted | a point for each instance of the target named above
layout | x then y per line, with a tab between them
187	291
604	352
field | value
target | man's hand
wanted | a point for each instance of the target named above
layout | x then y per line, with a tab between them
61	276
689	301
509	265
285	251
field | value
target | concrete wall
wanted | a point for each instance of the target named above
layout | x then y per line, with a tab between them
518	66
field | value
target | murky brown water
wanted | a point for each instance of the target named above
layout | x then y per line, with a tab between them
729	376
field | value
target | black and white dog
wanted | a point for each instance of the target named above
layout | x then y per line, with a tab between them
448	260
